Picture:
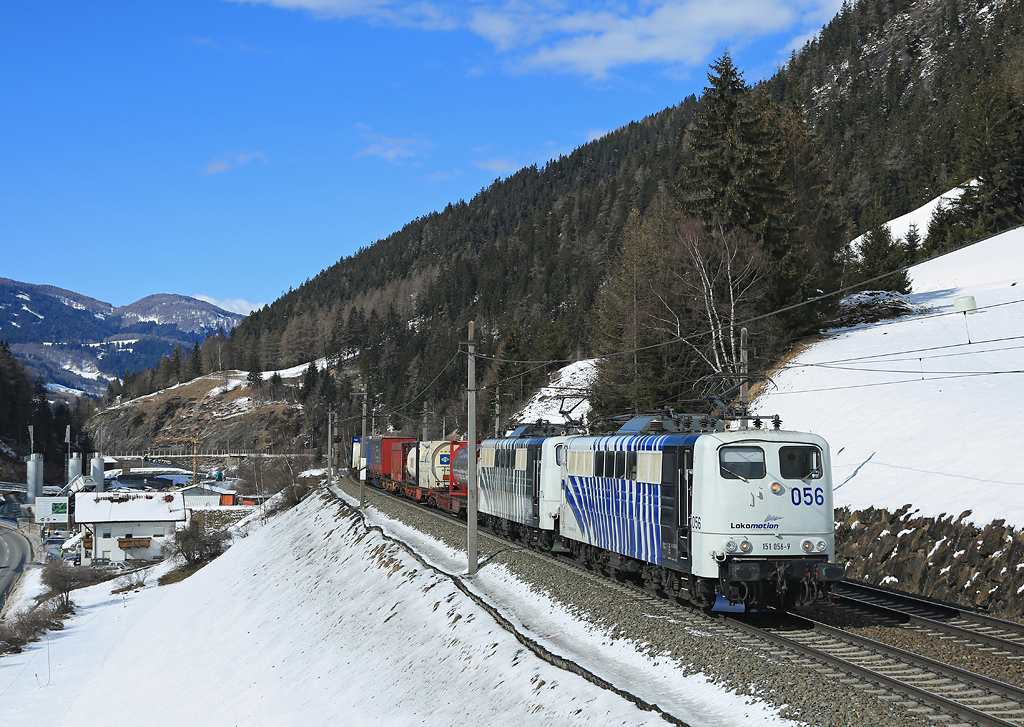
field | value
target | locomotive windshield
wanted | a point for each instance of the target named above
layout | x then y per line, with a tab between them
741	463
800	463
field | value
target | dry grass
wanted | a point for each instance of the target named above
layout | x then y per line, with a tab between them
759	387
179	574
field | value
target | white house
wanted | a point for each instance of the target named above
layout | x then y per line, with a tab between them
124	525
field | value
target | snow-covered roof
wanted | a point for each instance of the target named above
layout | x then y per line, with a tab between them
73	542
129	507
207	487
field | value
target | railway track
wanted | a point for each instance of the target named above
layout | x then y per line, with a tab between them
971	697
928	687
999	637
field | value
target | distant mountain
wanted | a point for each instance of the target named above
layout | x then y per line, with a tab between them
188	314
82	343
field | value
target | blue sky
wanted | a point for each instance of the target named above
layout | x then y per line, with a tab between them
231	149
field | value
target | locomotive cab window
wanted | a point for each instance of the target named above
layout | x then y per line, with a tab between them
741	463
800	463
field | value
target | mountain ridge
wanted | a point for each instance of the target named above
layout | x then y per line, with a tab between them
82	343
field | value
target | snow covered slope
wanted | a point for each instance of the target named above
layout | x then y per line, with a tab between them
927	409
315	620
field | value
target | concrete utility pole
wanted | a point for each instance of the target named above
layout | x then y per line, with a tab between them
363	456
424	421
744	394
330	447
471	505
497	411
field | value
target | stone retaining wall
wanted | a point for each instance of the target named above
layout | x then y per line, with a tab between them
942	558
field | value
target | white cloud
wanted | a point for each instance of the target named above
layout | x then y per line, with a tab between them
205	42
233	160
680	33
234	305
595	134
389	147
590	37
425	15
437	177
501	166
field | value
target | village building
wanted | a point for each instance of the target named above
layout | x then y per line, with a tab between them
125	526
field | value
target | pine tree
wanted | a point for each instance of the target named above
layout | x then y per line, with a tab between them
912	244
195	362
719	147
309	381
736	177
993	153
880	254
626	323
255	376
174	370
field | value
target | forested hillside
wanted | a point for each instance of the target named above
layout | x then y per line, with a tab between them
658	240
913	98
25	403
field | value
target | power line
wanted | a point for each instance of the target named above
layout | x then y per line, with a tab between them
710	331
917	380
878	356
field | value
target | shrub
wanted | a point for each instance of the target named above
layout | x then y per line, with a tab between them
25	626
61	577
197	543
130	581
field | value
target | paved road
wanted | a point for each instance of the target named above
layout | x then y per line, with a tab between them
15	551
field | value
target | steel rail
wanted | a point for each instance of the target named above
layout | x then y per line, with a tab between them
999	642
915	692
945	609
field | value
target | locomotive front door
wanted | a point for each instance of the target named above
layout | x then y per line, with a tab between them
684	494
670	505
533	480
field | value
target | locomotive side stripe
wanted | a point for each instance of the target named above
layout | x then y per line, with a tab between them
621	516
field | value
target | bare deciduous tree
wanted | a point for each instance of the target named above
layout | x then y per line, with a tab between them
719	279
60	578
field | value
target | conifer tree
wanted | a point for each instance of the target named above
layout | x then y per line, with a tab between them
719	146
625	322
195	362
255	376
880	254
912	244
174	370
736	177
993	153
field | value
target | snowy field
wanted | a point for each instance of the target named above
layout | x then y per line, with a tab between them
313	620
926	409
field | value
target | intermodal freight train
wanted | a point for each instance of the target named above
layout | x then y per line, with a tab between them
708	514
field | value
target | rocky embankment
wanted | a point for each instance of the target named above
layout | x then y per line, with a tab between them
944	558
218	410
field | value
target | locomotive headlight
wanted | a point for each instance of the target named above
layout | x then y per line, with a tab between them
746	547
730	547
777	489
807	546
821	545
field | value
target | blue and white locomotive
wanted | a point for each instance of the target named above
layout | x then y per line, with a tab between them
695	510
